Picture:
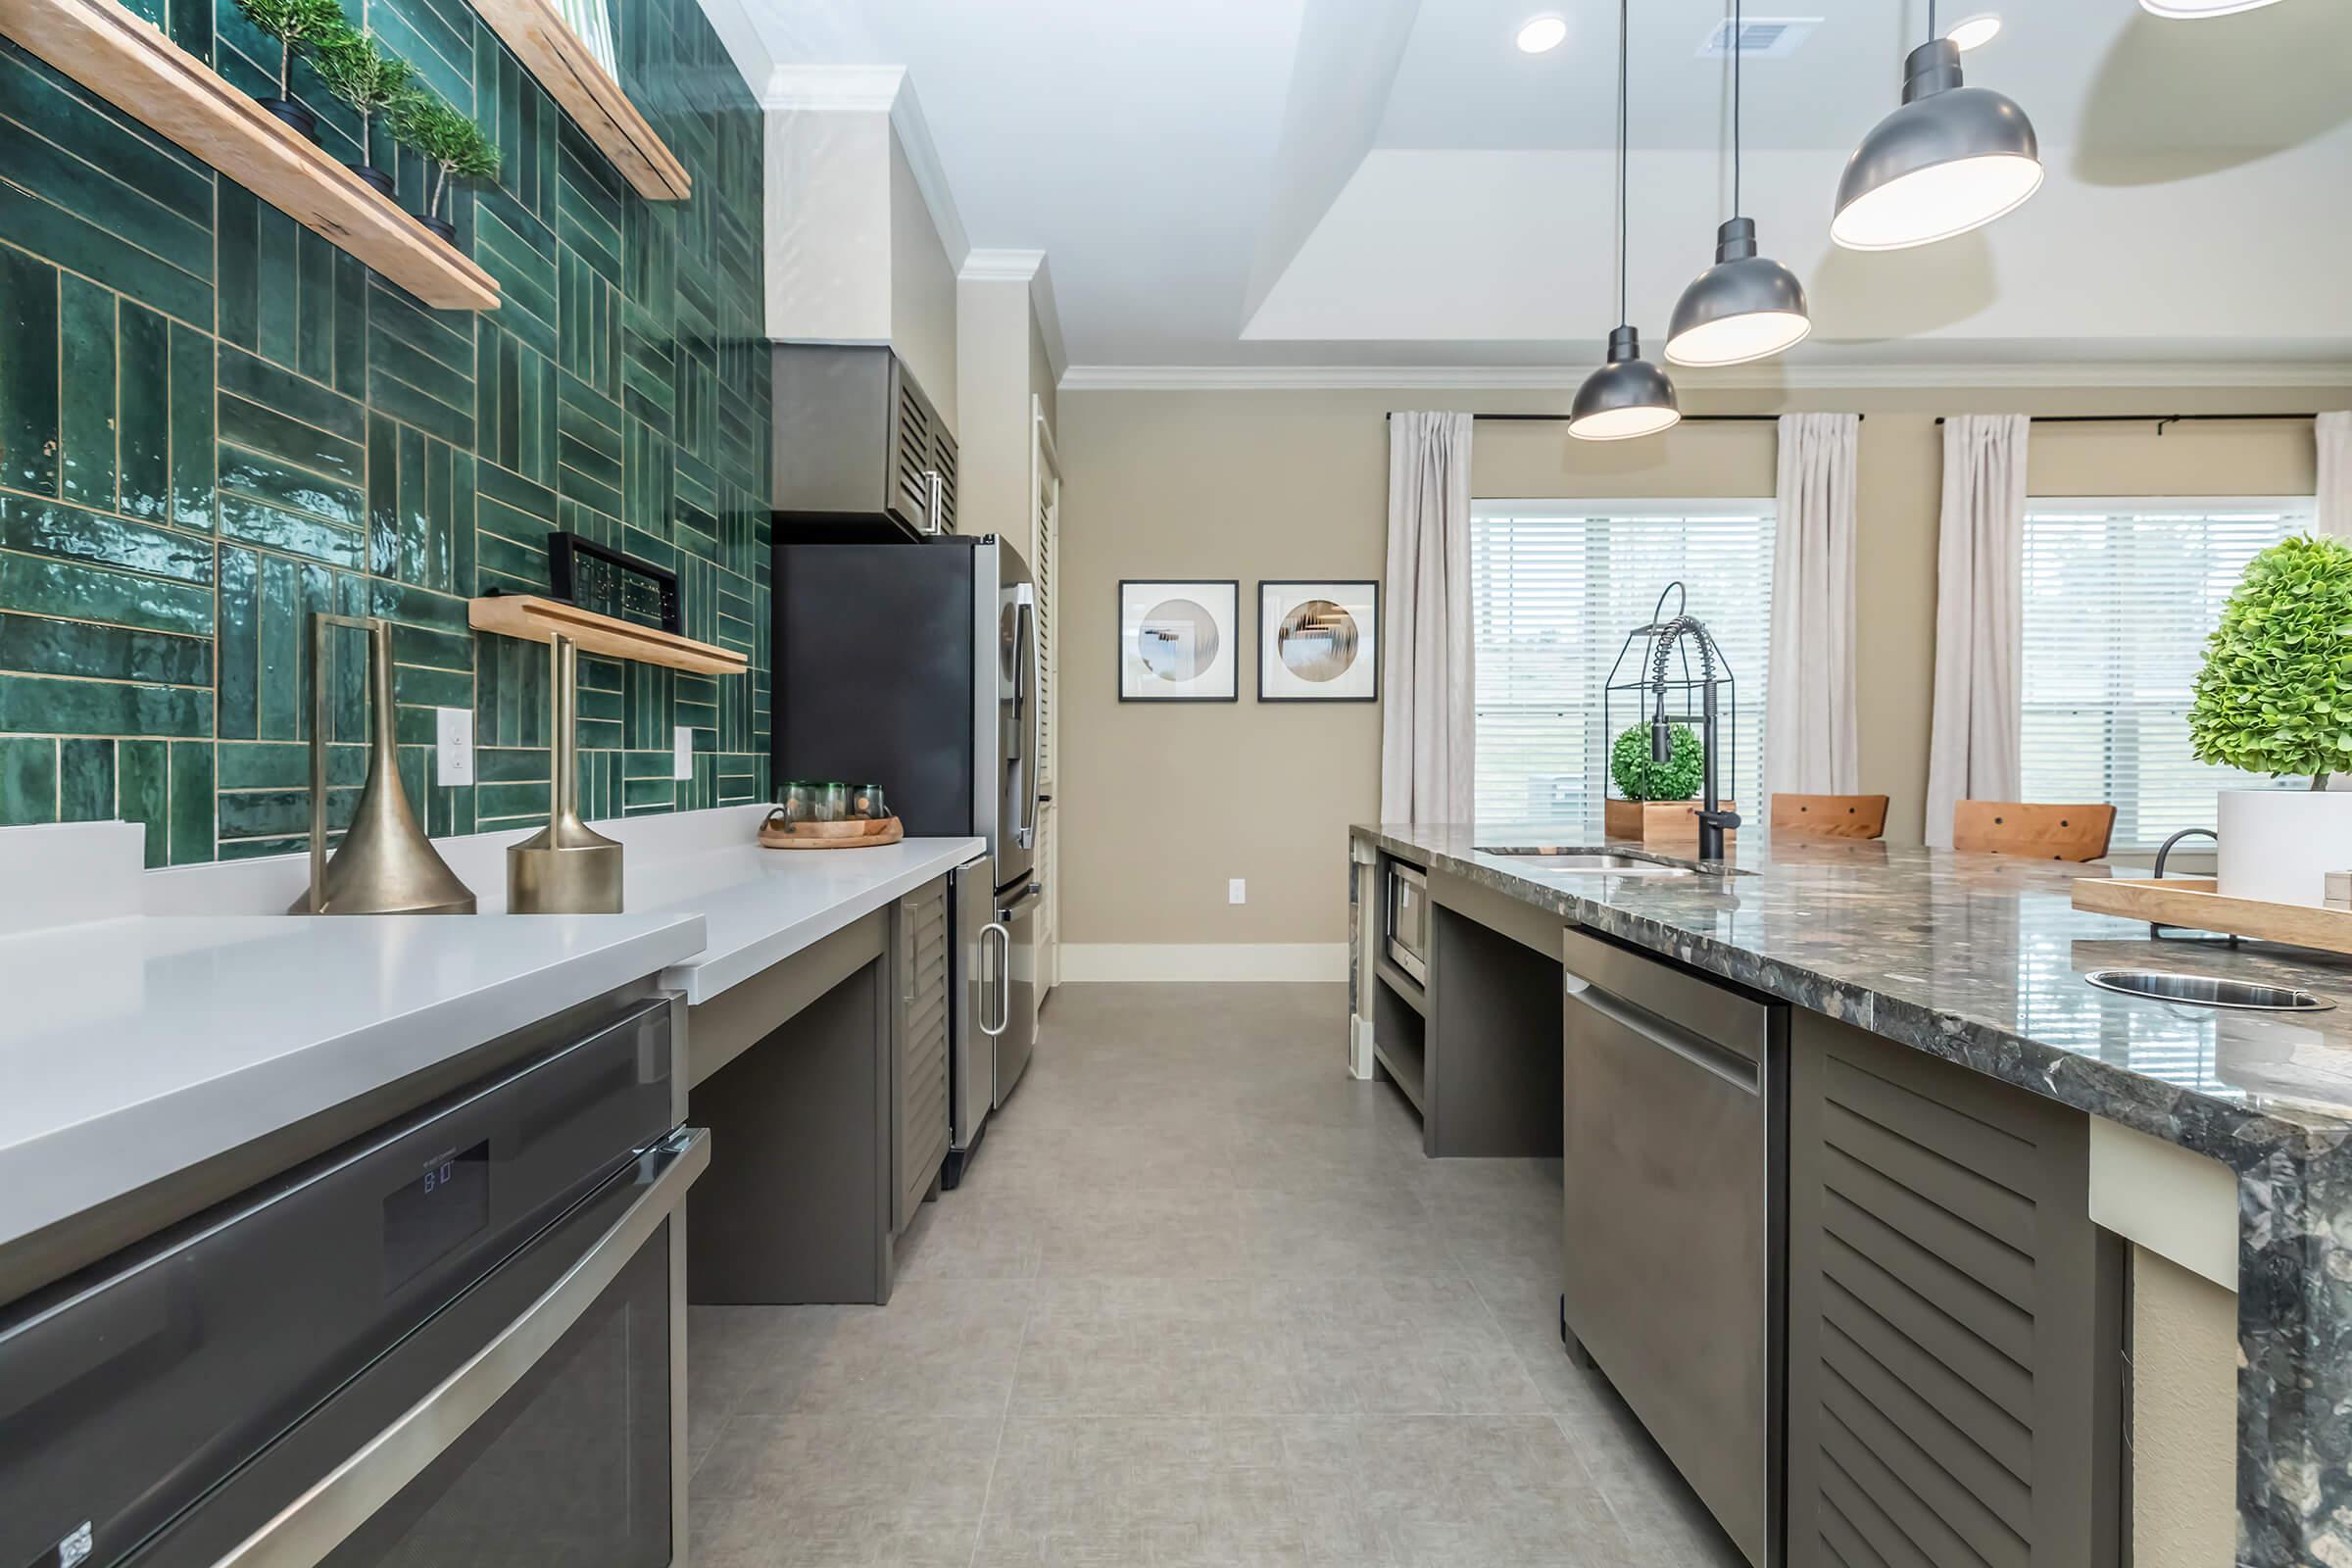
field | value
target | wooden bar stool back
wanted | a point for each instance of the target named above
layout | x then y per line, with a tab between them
2046	832
1830	816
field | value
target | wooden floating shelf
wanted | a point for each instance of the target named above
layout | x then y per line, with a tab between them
582	88
2192	903
536	619
132	65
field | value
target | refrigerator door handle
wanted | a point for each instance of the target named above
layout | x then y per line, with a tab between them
1002	986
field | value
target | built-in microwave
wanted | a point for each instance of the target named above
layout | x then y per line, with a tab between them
1406	920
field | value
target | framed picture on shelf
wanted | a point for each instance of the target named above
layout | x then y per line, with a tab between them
1318	641
1179	642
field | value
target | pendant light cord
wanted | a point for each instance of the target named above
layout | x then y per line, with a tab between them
1738	48
1621	146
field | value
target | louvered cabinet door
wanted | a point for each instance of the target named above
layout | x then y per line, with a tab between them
942	459
1954	1352
913	432
920	1107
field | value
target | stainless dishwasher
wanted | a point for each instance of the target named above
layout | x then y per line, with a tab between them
1674	1087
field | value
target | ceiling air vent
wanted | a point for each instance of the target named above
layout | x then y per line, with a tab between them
1760	38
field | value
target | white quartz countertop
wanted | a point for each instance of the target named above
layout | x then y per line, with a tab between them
133	1048
761	907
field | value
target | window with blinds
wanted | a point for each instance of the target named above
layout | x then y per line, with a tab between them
1554	587
2120	594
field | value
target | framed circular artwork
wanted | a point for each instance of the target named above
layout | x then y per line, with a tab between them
1179	642
1318	642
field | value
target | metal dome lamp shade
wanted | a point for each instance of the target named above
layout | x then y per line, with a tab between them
1746	307
1951	158
1626	397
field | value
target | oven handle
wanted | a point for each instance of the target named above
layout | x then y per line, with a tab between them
346	1496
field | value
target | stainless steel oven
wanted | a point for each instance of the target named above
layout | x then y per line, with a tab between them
1405	919
458	1338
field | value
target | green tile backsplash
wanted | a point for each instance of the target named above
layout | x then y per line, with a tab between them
212	422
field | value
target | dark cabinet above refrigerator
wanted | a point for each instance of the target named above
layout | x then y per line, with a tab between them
862	454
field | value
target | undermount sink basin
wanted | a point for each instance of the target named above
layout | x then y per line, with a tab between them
1588	862
2203	991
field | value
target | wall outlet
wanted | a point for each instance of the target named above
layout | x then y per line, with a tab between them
453	745
1237	891
682	766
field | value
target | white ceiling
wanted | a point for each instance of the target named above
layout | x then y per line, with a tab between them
1389	183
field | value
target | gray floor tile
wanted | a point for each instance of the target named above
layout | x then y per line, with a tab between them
808	1489
940	1347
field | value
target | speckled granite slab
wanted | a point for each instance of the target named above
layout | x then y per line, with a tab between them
1980	959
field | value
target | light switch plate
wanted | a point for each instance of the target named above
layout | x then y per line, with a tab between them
453	745
683	765
1237	891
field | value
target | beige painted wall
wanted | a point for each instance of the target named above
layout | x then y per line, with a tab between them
1164	804
923	289
2184	1417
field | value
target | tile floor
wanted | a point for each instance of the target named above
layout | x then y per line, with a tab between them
1199	1302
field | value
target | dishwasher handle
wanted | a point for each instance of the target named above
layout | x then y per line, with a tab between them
1730	1066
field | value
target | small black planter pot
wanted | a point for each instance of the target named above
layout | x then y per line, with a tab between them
293	113
441	226
374	176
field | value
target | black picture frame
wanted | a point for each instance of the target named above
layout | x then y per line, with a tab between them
1372	584
1119	650
563	549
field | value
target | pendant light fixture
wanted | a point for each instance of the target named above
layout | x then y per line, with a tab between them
1628	396
1951	158
1746	307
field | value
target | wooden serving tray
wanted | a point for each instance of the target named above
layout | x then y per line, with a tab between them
2191	902
857	835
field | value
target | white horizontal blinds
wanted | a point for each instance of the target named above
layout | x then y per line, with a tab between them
1554	587
2120	594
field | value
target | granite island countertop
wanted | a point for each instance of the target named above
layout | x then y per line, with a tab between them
1980	959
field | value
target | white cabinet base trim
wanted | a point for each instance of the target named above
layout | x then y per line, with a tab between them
1082	962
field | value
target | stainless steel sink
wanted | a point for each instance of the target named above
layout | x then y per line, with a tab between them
1587	862
2203	991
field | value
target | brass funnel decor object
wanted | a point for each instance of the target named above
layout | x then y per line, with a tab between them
567	868
386	865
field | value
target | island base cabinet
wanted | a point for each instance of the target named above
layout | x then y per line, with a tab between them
1954	1318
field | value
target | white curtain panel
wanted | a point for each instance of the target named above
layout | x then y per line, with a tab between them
1979	589
1811	746
1428	730
2336	475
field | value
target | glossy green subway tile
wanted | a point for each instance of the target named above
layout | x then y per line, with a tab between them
292	532
239	647
298	397
442	57
86	388
143	418
30	705
55	174
142	793
191	428
85	780
29	410
48	587
192	802
288	439
37	645
269	765
285	812
111	142
48	230
28	780
290	488
512	765
511	801
642	795
509	692
48	528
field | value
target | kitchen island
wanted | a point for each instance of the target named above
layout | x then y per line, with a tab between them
1978	962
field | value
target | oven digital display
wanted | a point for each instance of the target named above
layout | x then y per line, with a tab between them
426	1219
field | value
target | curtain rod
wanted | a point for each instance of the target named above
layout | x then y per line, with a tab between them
1562	418
2160	420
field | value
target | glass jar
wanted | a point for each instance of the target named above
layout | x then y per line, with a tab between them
869	802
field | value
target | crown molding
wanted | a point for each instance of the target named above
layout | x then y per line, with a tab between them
878	89
998	266
2167	375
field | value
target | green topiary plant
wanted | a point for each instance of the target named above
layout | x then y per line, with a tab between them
449	142
365	77
2276	693
294	24
1641	779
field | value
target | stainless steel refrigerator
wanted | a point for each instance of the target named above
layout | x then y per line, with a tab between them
914	666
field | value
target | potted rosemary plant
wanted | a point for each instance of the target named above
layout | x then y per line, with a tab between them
451	145
295	24
369	79
2275	697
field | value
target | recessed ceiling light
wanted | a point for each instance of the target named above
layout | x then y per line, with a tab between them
2201	8
1541	34
1974	32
